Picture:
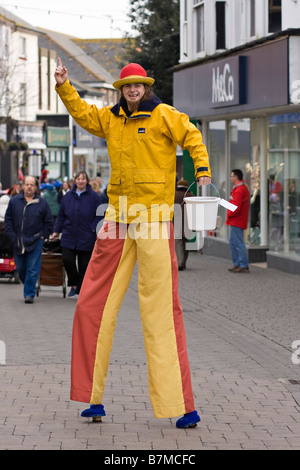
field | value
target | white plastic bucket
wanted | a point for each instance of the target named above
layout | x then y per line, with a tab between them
202	212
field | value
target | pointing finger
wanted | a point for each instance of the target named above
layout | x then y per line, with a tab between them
59	61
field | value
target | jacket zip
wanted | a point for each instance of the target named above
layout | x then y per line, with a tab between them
138	116
33	201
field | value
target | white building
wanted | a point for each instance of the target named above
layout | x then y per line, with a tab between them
19	94
31	111
239	79
208	27
94	83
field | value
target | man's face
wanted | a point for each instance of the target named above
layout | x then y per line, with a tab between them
29	186
133	92
233	179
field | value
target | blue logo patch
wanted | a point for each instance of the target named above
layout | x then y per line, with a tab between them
142	130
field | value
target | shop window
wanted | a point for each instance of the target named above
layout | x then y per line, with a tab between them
274	16
217	159
284	183
220	25
241	155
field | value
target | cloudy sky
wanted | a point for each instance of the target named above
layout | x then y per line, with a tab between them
81	18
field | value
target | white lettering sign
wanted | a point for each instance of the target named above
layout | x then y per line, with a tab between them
2	353
295	97
222	85
296	354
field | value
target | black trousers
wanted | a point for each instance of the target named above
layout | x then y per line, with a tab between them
75	263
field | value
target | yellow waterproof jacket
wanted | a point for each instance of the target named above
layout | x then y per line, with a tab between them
142	151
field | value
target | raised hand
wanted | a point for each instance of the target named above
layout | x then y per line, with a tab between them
61	73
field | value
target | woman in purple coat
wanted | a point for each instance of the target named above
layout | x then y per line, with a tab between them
77	222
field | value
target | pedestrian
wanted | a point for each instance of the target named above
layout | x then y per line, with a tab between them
28	221
50	195
142	135
238	222
95	186
44	176
65	187
4	201
77	222
15	189
181	240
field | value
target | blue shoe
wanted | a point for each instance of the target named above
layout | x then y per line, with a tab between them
72	292
94	411
189	420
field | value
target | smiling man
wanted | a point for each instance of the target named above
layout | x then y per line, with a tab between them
142	135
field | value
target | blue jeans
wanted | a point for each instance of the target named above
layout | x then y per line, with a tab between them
29	266
237	247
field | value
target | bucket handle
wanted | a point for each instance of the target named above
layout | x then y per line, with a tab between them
211	184
226	204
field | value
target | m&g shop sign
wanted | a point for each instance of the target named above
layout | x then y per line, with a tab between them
229	82
222	85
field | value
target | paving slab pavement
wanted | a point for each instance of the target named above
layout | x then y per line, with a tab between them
240	329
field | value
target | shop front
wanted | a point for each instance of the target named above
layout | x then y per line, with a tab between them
90	154
247	105
56	155
28	161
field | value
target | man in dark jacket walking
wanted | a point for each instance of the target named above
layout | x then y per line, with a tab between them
28	221
238	221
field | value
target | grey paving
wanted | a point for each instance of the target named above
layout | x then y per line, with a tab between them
240	329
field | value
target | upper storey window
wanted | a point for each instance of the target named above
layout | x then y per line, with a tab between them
199	22
275	14
220	25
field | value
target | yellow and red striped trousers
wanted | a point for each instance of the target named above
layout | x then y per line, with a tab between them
106	281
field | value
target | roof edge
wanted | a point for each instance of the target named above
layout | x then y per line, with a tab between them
273	37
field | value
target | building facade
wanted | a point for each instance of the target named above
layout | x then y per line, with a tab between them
240	59
23	138
36	131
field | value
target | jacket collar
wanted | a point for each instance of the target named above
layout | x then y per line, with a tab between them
35	198
239	184
145	106
87	190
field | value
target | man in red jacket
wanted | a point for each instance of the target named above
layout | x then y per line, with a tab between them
238	221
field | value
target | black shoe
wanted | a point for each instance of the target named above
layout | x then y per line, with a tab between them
242	270
233	269
29	300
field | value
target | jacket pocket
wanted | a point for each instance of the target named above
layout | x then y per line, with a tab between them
114	189
114	184
149	186
115	178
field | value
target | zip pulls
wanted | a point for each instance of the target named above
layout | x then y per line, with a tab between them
33	201
137	116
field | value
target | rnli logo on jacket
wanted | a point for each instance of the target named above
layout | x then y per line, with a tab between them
142	130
